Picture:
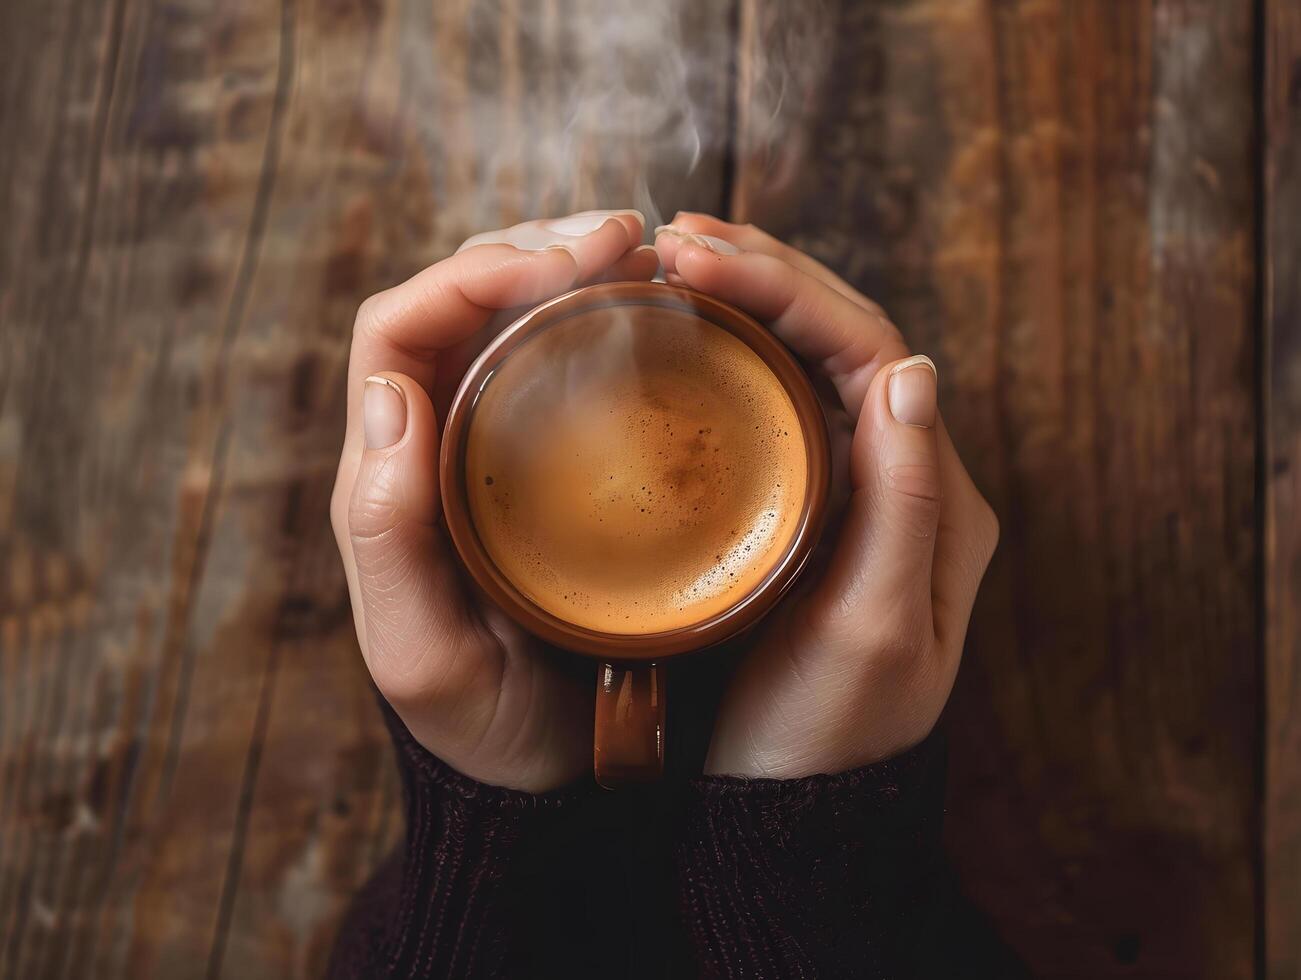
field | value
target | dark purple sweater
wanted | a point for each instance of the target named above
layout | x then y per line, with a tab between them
829	876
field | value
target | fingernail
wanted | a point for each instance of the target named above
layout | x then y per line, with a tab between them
641	218
669	230
581	224
383	412
715	245
533	238
912	391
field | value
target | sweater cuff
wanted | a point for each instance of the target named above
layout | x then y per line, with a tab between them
456	916
830	875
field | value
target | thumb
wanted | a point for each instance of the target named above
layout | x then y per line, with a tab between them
882	565
416	623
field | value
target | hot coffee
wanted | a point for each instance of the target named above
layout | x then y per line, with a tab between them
635	480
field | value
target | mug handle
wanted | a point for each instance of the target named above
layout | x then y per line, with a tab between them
628	744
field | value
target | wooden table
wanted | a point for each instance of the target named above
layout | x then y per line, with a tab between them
1085	212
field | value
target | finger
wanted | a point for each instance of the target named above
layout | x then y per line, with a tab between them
669	241
542	231
403	328
418	631
637	265
593	251
566	231
880	573
444	309
406	328
823	327
968	531
445	304
450	300
751	239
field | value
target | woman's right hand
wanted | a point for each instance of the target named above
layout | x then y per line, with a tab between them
470	685
857	666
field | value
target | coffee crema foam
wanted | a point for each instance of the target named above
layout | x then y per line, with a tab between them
635	477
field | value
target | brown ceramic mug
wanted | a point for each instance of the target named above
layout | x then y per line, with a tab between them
524	512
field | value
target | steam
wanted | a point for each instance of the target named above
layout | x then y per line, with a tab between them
643	103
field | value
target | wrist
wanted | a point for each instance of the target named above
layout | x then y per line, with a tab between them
519	787
811	753
845	863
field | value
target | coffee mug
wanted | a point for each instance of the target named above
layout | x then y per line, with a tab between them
634	471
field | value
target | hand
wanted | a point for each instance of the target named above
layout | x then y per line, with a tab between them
469	685
857	668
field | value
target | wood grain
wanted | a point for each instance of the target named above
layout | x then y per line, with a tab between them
1056	201
193	776
1281	100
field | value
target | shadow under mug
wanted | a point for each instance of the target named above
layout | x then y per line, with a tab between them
630	690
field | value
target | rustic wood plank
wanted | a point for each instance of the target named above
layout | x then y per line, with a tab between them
59	67
1056	201
482	55
193	778
1281	99
1054	198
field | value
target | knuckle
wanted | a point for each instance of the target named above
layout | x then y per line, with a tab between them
411	689
890	327
900	639
451	288
406	654
897	662
892	633
340	500
917	480
388	570
426	680
370	519
403	689
374	509
990	530
380	315
984	532
369	317
914	496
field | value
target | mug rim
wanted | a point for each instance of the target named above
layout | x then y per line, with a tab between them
712	630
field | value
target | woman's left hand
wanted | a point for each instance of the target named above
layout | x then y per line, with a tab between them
858	668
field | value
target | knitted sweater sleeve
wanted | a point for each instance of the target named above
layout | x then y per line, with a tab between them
827	876
455	900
